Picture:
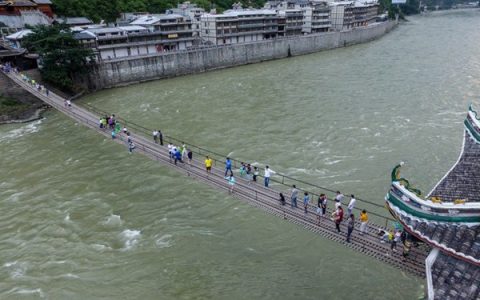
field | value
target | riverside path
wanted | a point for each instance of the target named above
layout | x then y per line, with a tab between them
255	194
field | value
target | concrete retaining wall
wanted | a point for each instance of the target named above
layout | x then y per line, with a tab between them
137	69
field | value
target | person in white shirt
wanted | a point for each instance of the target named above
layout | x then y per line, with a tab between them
338	199
155	136
170	149
351	205
268	173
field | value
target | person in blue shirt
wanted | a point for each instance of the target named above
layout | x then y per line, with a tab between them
228	166
178	156
306	201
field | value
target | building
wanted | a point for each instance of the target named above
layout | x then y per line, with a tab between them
191	11
169	32
364	13
45	6
316	17
239	26
157	34
15	40
341	15
19	13
292	20
447	219
75	21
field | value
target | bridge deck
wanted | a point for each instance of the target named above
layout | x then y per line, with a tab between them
252	193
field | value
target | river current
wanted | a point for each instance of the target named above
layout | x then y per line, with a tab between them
83	219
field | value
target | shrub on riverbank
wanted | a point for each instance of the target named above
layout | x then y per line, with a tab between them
61	56
11	107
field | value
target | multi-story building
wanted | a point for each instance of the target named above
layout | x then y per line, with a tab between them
193	12
316	17
168	31
364	13
148	34
239	26
341	15
293	21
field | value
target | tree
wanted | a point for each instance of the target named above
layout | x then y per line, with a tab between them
62	56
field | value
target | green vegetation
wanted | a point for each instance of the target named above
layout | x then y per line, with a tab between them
62	57
109	10
11	107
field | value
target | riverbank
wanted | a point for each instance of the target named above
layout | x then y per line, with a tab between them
16	105
131	70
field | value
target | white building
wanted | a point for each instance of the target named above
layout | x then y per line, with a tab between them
316	17
341	15
239	26
192	11
172	31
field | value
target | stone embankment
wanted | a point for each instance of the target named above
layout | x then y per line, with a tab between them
130	70
17	105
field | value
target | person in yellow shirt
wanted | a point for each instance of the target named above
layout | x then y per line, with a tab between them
208	165
363	222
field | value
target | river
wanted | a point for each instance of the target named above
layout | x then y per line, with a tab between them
83	219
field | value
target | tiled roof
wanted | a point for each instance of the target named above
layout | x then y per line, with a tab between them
455	279
457	239
463	181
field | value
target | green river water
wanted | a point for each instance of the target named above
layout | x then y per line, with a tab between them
83	219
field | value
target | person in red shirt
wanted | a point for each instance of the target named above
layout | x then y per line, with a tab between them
338	217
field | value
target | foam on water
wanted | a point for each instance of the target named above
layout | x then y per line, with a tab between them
165	241
100	247
16	269
19	132
14	197
19	291
130	238
113	221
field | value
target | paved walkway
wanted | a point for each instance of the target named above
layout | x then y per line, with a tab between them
253	193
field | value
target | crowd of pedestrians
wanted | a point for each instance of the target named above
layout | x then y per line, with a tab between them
182	154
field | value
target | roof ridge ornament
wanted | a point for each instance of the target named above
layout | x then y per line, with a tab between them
403	181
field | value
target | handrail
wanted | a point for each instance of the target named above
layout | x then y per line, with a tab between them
219	159
167	138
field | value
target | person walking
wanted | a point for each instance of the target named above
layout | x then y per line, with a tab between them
363	222
293	196
178	156
267	174
351	205
184	152
350	226
190	156
231	182
282	199
320	211
208	165
306	201
323	204
155	136
228	166
160	137
255	174
338	199
170	150
131	146
338	217
395	240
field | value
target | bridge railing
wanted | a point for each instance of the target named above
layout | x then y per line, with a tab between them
279	179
